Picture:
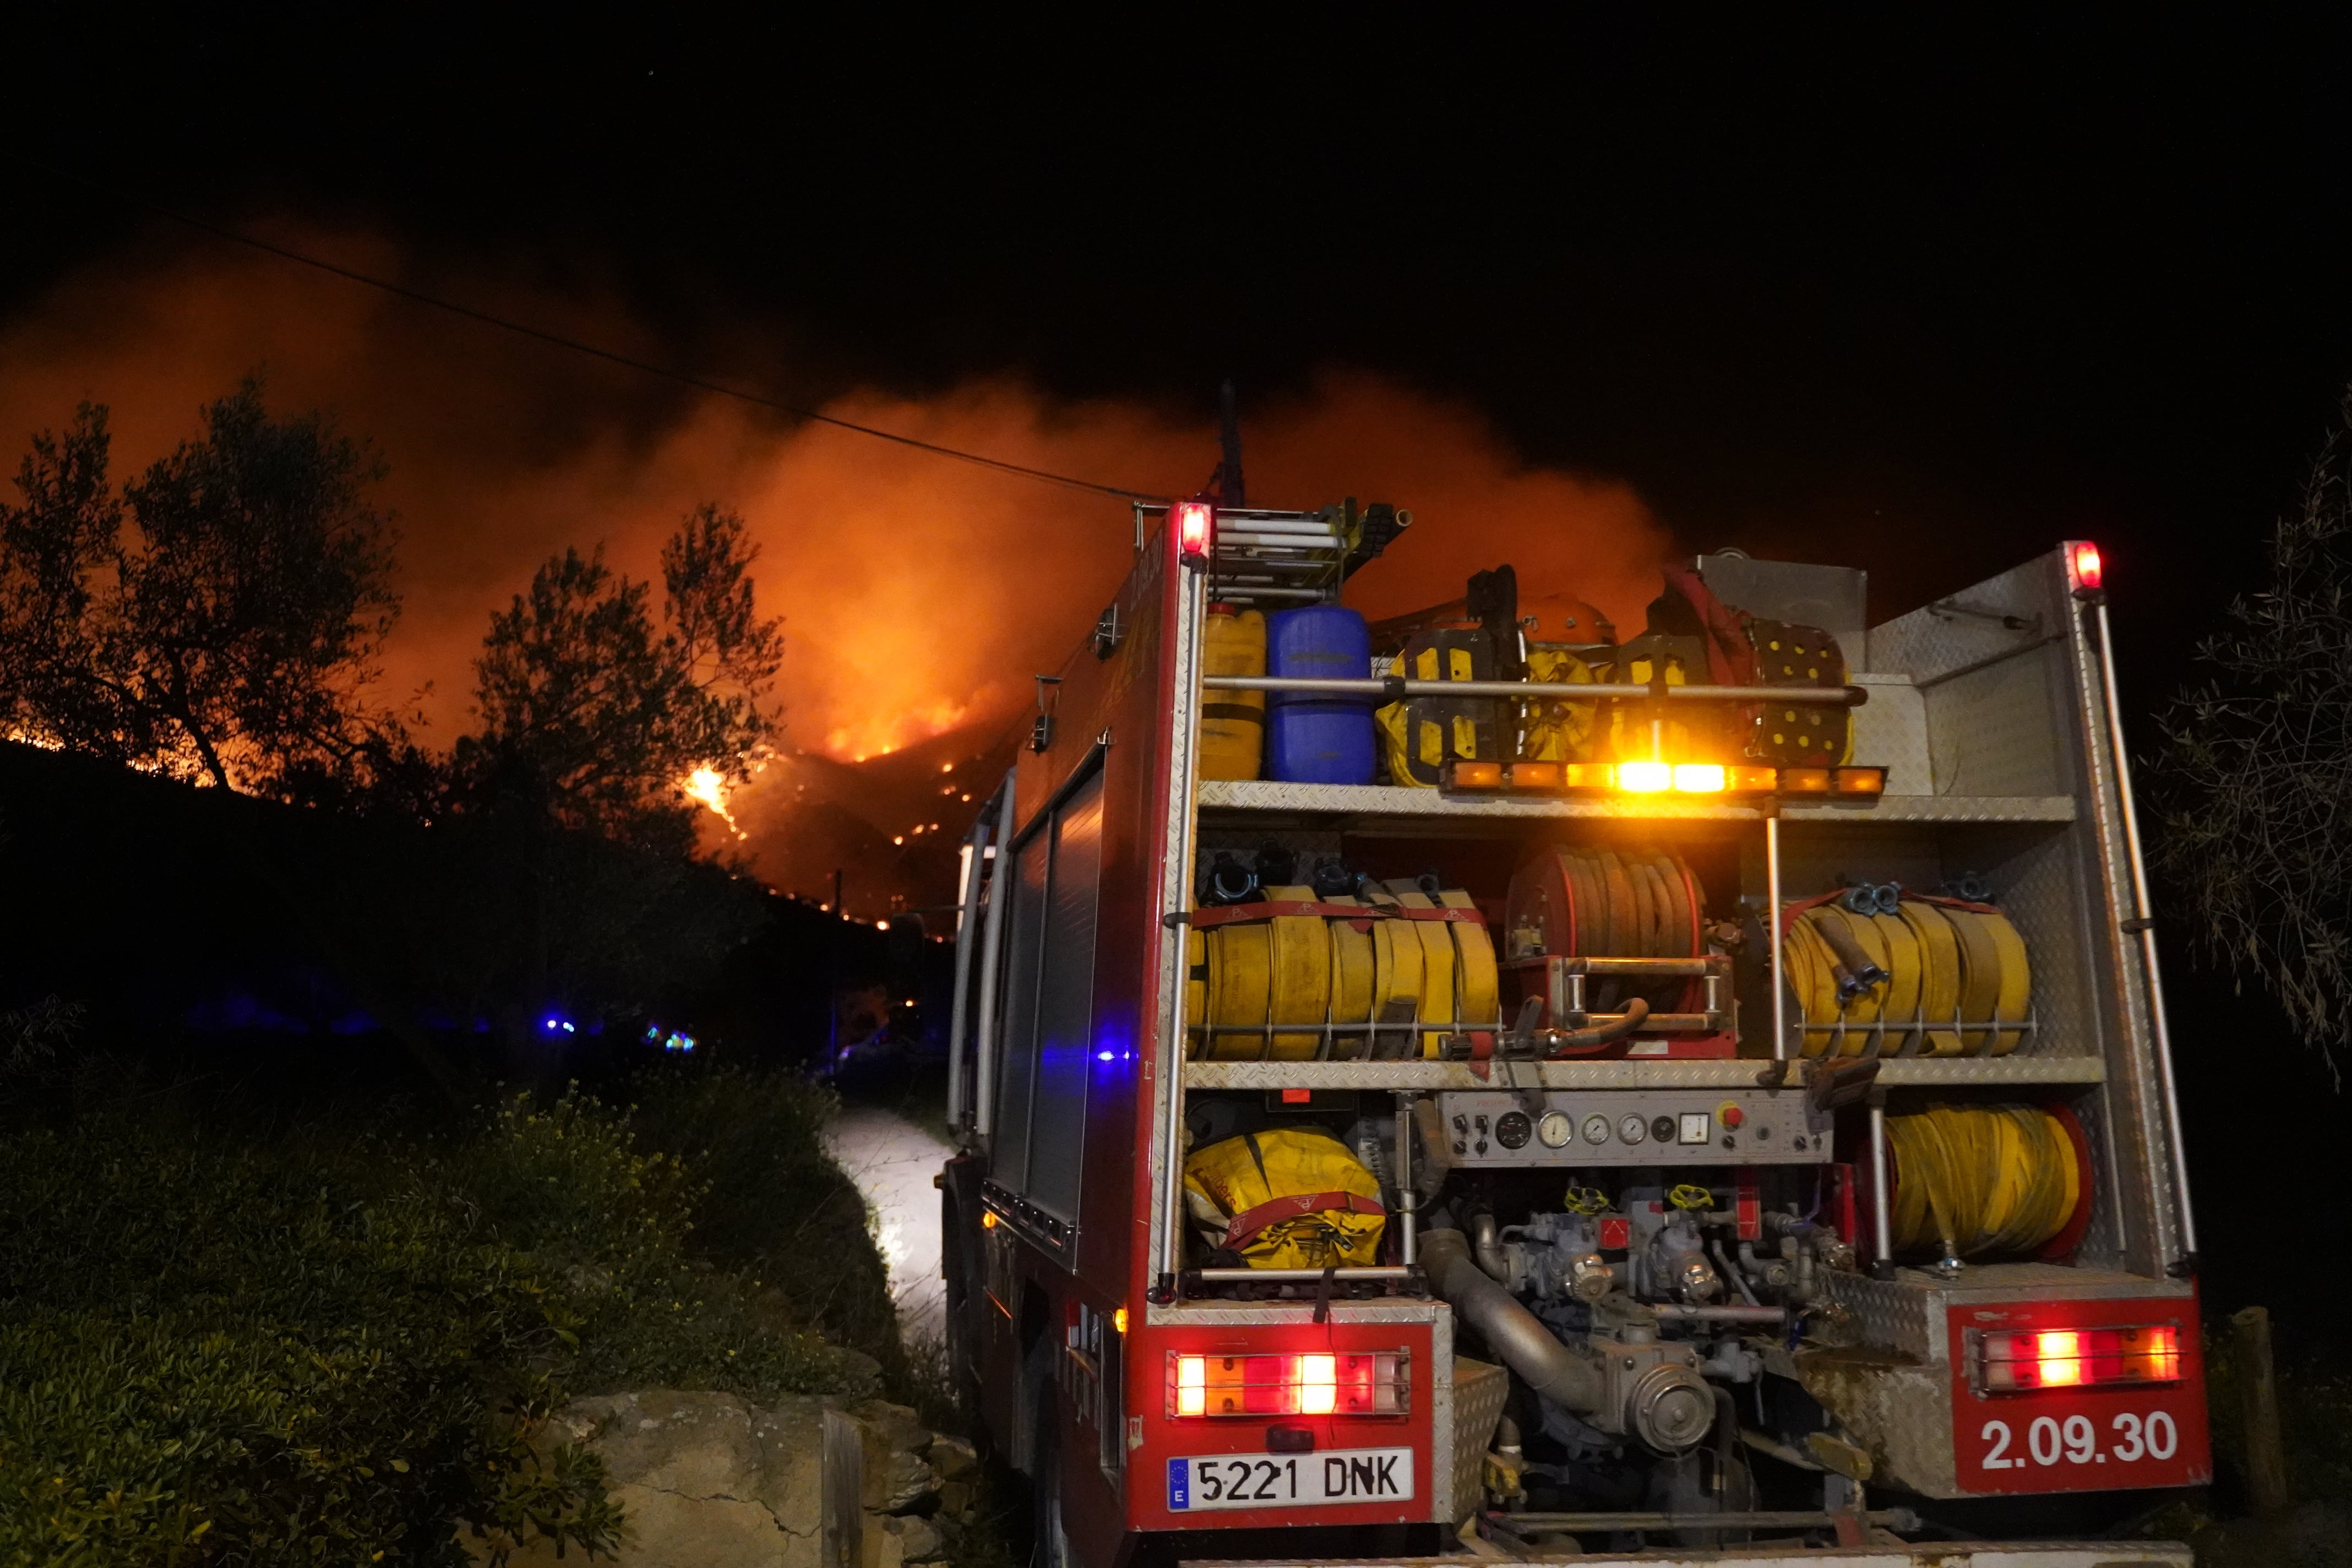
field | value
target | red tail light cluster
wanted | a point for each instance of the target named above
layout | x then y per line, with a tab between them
2079	1358
1368	1383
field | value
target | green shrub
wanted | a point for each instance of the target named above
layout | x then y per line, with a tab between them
772	1197
328	1349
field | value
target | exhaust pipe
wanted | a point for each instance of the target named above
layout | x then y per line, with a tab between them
1516	1334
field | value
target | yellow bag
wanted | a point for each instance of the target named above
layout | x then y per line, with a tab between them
1295	1198
1554	732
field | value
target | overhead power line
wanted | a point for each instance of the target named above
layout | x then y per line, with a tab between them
419	297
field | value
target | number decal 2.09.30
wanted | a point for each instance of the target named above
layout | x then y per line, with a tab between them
2075	1441
1289	1480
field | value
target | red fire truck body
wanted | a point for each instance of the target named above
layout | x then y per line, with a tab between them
1162	1403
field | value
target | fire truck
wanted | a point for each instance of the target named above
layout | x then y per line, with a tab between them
1754	1118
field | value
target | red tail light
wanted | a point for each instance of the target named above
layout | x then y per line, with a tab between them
1374	1383
1195	529
2079	1358
2082	561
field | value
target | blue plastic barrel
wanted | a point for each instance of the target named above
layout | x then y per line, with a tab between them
1318	739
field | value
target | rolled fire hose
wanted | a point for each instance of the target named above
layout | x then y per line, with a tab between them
1295	959
1973	1180
1962	967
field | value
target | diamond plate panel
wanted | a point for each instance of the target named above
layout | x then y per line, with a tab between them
1934	641
1431	1077
1368	803
1890	731
1888	1315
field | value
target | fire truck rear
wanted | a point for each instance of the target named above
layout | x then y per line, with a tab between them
1702	1092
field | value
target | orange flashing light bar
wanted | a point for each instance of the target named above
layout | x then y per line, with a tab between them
1729	780
2079	1358
1374	1383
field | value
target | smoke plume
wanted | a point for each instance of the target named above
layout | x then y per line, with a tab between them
921	595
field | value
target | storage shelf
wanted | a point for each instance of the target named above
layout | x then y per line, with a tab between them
1930	1072
1389	805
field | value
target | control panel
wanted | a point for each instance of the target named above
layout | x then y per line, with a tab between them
1623	1127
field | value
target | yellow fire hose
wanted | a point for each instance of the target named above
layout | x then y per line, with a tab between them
1956	974
1972	1180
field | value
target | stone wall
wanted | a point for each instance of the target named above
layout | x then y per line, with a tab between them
710	1481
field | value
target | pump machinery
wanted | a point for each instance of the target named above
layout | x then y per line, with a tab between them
1469	1083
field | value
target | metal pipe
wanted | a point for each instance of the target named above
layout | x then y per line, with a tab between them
1173	1047
1720	1314
1000	891
975	860
1881	1201
1408	1199
1301	1276
1772	942
2141	918
1513	1332
1486	1250
1738	1277
1391	688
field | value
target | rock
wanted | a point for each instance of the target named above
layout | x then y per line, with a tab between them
710	1481
706	1479
953	1459
918	1539
898	1480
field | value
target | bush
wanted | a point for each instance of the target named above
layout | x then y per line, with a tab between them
328	1349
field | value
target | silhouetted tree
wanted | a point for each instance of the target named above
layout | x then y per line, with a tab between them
595	718
230	639
2254	774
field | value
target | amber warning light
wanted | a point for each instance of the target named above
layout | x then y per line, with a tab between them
2079	1358
1196	529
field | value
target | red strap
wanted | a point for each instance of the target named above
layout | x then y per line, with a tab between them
1249	1222
1273	909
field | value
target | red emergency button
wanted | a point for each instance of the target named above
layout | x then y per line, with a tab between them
1731	1116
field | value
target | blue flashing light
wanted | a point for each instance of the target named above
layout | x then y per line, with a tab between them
1104	1057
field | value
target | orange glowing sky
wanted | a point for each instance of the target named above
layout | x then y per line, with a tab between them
920	595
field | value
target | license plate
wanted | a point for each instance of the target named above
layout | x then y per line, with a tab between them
1289	1480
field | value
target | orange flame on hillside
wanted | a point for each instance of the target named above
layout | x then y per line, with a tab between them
920	596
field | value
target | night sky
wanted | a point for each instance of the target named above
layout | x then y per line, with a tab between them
1923	300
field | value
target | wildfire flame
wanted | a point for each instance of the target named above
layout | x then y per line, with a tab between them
708	786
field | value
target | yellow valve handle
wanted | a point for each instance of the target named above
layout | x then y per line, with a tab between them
1585	1200
1301	965
1687	1197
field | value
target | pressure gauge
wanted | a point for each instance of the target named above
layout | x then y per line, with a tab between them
1596	1129
1632	1129
1556	1130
